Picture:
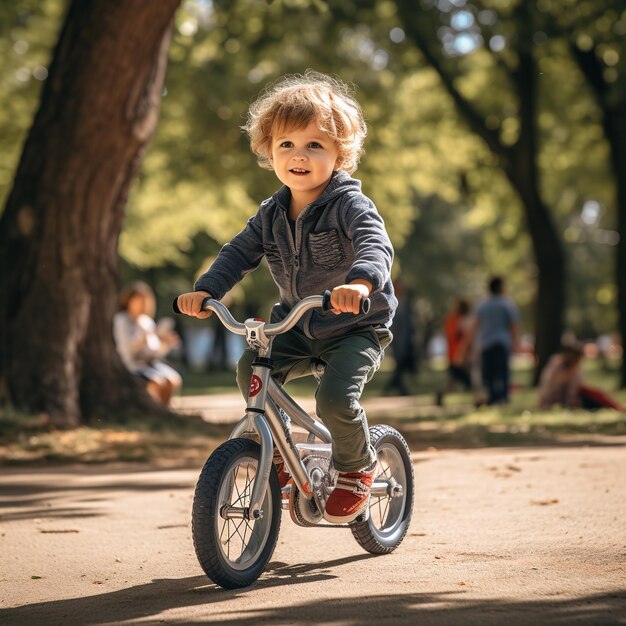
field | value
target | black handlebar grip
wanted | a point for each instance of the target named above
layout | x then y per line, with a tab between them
326	301
364	306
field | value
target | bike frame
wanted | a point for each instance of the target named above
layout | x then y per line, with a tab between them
266	399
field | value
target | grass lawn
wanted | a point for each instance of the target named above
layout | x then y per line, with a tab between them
26	439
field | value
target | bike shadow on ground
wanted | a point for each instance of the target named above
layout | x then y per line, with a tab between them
147	603
160	595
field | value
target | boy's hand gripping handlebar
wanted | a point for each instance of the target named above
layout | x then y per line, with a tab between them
291	319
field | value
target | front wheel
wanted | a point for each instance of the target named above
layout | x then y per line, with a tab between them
233	551
389	515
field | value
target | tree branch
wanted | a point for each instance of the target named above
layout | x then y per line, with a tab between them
474	120
591	67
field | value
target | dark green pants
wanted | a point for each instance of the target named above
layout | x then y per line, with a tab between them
350	361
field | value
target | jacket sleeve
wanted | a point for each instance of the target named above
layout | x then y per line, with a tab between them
374	253
236	258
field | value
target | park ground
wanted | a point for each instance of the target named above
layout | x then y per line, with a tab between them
499	536
28	440
518	519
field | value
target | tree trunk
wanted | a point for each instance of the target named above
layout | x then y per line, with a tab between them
615	125
521	169
61	224
518	161
611	98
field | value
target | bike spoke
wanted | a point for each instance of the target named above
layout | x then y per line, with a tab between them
384	516
224	525
236	531
245	532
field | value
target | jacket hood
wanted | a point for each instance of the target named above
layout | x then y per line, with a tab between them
340	183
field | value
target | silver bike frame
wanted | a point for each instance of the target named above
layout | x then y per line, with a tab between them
265	401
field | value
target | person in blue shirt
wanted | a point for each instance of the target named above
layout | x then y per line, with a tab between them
496	331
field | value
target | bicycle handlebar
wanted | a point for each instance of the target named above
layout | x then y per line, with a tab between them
311	302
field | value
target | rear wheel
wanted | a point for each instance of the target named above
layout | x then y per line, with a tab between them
389	515
233	551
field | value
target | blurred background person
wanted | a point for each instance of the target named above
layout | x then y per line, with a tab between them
142	344
495	328
403	346
562	383
457	328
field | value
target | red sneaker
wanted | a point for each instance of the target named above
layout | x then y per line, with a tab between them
350	497
283	475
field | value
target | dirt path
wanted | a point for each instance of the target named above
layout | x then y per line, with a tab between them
499	536
227	408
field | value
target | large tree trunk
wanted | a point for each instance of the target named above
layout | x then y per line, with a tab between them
611	98
60	228
518	161
521	169
618	161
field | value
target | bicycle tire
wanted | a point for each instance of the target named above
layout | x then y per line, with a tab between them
382	534
219	484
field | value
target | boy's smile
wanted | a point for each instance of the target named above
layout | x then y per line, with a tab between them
304	160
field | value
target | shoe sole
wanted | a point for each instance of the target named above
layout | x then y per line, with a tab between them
346	519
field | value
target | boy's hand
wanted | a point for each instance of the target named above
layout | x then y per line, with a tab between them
347	298
190	303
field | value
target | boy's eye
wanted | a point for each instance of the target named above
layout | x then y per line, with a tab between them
314	144
286	144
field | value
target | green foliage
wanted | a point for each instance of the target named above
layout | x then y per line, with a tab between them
447	205
28	30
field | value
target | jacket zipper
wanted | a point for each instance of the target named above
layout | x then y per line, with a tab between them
294	250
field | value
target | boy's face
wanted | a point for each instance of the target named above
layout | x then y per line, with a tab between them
304	160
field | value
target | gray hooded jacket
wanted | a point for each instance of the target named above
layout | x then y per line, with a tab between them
338	238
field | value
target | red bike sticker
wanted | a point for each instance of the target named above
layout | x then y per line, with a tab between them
255	386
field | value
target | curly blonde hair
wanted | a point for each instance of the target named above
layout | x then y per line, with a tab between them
295	101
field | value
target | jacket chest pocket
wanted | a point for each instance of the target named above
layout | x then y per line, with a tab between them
325	248
273	258
272	254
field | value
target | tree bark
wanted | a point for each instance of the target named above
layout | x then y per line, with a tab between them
519	162
616	133
611	99
60	227
521	169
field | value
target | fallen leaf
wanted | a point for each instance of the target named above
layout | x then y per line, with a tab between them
503	474
59	530
461	584
545	502
36	577
166	526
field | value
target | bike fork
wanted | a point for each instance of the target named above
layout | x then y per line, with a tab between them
254	420
263	417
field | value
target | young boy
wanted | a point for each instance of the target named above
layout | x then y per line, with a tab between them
317	232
